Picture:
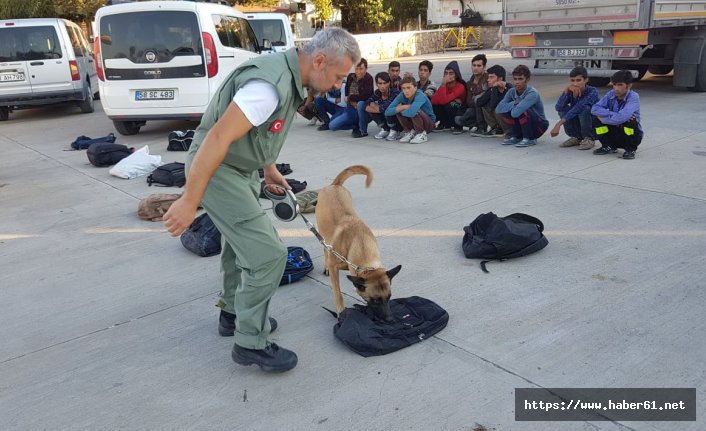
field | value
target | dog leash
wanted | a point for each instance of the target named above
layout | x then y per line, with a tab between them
358	269
290	210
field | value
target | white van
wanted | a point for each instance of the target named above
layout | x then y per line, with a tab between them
44	61
164	60
273	27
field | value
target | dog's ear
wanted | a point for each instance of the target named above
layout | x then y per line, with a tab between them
358	282
393	272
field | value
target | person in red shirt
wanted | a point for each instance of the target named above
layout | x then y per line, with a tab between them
449	99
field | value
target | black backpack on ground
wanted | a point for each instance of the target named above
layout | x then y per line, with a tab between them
106	154
180	141
299	264
83	142
169	175
497	238
414	319
202	237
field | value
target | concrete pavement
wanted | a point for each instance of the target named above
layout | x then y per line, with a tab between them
106	322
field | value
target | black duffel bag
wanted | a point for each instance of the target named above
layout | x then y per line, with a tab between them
202	237
103	154
169	175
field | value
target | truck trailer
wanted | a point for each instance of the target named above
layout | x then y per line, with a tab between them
609	35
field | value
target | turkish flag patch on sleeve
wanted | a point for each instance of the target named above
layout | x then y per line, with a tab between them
276	127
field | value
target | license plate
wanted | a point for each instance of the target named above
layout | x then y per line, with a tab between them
11	77
154	95
571	52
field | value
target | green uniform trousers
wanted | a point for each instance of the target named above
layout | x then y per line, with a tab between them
253	256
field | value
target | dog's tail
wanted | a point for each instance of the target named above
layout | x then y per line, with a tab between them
354	170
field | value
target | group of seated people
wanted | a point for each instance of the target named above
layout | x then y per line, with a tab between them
407	109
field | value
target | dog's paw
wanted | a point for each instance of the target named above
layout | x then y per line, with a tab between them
326	272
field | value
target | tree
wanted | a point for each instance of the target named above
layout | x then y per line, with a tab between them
263	3
364	15
324	9
405	11
18	9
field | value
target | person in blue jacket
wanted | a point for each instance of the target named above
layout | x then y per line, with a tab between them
617	117
523	110
574	108
414	112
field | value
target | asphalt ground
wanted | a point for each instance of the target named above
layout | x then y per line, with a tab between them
106	322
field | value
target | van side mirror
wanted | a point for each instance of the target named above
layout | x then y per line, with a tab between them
266	45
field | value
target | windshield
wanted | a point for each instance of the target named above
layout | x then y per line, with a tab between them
29	43
270	29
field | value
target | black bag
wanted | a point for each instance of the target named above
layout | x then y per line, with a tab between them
171	174
105	154
414	319
180	141
299	264
202	237
282	168
492	237
83	142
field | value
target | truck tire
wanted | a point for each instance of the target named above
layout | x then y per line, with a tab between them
641	71
4	113
700	84
127	128
598	81
86	104
660	69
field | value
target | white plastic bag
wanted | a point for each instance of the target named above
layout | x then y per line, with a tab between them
136	164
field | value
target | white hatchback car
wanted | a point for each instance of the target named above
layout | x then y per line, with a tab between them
44	61
164	60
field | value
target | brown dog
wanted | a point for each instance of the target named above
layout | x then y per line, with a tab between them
353	239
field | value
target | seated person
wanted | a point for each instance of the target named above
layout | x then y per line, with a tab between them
425	84
330	106
574	108
308	109
489	100
359	86
374	108
617	117
414	112
523	110
394	70
472	117
450	97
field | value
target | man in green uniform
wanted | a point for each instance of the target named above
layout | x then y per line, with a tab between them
243	130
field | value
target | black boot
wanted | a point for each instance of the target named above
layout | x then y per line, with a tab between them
272	358
226	324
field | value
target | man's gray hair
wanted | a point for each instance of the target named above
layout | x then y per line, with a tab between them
335	43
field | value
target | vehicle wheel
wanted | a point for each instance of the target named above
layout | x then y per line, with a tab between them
87	104
4	113
127	128
96	96
700	84
641	71
598	82
660	69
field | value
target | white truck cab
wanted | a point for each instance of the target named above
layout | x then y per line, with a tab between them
274	27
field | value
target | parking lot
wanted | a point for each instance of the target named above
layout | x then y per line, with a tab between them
106	322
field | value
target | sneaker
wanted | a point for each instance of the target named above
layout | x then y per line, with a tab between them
313	121
629	155
511	141
419	138
526	143
272	358
358	134
226	324
604	150
456	131
475	129
382	134
323	127
393	135
492	133
571	142
440	127
587	144
407	136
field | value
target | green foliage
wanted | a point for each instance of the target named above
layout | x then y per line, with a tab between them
324	9
264	3
70	9
364	15
407	10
